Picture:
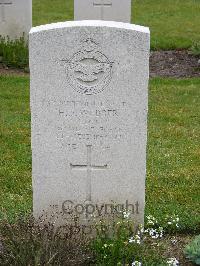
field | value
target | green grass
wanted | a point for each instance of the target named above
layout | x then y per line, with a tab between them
173	178
173	23
15	151
173	149
46	11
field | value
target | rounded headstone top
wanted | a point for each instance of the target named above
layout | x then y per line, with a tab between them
90	23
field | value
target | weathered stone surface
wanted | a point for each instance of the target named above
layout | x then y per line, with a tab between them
110	10
15	18
89	94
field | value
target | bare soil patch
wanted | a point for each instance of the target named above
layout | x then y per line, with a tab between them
176	64
174	246
9	71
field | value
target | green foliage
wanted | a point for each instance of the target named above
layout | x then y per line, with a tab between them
192	251
117	243
195	49
27	242
163	224
14	52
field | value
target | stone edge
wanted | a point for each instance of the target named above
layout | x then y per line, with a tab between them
90	23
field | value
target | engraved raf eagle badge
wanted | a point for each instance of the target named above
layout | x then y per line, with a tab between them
89	71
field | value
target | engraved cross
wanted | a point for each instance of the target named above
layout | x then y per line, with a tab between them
4	3
102	4
88	167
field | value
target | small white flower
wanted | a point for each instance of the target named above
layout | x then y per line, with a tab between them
126	215
136	263
150	222
174	241
172	262
155	233
135	239
173	220
152	232
138	239
141	230
131	240
150	217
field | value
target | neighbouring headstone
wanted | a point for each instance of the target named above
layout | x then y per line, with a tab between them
15	18
89	94
115	10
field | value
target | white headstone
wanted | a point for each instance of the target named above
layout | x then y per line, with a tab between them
110	10
89	94
15	18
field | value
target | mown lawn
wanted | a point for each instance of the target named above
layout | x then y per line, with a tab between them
173	23
173	176
173	149
15	149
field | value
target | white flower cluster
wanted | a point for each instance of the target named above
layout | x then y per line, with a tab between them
155	233
173	220
126	214
108	245
152	223
135	239
136	263
173	262
151	220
